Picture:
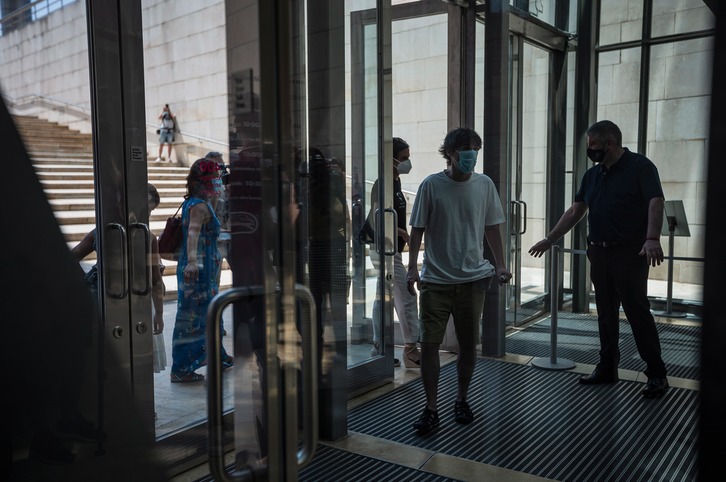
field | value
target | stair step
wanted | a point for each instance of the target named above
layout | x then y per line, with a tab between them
85	204
63	161
66	218
154	169
76	232
154	177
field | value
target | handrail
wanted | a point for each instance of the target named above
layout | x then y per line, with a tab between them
16	13
37	99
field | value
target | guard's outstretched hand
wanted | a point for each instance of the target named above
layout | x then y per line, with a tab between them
540	248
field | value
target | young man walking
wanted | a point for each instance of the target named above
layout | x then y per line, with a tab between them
458	209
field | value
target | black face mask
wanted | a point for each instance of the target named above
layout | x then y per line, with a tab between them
596	155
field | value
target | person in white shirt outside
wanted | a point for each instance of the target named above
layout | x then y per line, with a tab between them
166	132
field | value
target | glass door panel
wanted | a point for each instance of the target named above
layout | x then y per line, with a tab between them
370	357
183	125
530	118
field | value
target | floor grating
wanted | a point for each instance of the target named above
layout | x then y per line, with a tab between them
544	423
577	340
335	465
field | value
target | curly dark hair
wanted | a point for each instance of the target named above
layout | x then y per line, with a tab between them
398	146
458	138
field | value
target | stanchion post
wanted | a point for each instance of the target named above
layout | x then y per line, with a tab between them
553	363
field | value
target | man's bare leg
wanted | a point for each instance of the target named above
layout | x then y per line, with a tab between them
465	363
430	369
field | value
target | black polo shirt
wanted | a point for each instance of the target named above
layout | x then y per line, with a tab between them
618	198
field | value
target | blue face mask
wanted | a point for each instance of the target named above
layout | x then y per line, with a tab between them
467	161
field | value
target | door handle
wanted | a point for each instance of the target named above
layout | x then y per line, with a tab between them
147	264
520	217
395	232
516	214
124	263
214	380
310	379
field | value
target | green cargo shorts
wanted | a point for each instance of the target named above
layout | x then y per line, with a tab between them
463	301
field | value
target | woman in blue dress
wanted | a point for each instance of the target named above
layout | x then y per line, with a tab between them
197	267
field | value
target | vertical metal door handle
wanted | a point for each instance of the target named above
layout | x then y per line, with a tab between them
214	381
124	261
516	212
147	264
310	378
376	224
524	216
395	232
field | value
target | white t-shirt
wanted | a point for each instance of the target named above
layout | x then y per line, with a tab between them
454	215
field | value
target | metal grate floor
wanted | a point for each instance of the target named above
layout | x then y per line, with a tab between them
335	465
544	423
577	340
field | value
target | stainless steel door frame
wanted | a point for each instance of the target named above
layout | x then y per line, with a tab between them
378	370
123	237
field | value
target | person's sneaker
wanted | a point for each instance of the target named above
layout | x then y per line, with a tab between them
463	413
78	429
411	356
47	448
396	362
428	421
158	159
655	388
375	350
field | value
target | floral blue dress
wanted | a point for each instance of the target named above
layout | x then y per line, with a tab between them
189	338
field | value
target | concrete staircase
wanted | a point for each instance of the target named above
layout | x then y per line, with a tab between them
63	161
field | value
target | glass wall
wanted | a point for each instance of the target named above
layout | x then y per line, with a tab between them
671	113
678	124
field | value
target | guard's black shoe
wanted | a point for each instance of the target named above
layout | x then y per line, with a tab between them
655	388
598	378
462	413
78	429
428	421
48	449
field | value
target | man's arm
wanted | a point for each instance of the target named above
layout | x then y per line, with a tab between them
568	220
652	248
85	247
157	288
494	239
197	217
414	245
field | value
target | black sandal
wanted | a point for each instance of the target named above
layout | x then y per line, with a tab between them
227	362
186	378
